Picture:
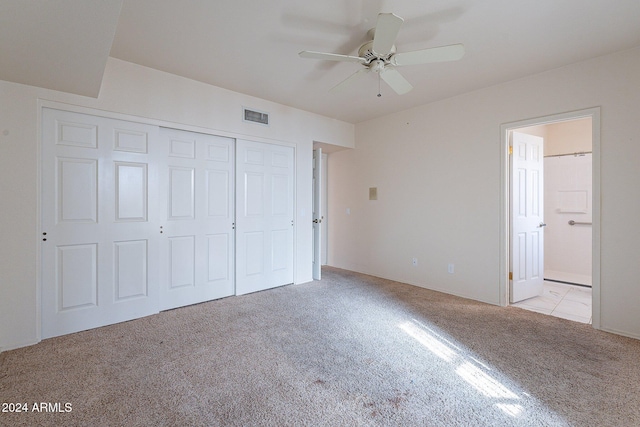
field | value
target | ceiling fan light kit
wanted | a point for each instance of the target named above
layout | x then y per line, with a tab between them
379	55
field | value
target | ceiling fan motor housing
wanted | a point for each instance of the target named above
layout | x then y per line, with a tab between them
366	52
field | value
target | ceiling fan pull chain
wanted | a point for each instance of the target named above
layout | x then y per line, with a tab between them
379	94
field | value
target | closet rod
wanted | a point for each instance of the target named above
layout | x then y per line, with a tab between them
579	153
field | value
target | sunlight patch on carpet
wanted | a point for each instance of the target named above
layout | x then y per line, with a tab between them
468	367
431	342
484	383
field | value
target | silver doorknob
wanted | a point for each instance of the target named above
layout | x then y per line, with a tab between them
542	224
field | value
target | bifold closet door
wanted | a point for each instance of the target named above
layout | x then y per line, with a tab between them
100	225
264	216
197	249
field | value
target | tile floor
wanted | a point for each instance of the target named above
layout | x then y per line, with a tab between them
561	300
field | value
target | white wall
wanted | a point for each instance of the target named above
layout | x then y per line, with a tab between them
133	90
567	196
567	249
438	172
569	137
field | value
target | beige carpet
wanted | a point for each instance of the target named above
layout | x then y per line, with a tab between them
351	350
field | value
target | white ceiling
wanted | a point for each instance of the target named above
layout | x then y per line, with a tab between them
61	44
251	46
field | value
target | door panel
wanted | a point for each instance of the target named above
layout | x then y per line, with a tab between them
77	276
132	141
130	269
182	261
100	256
131	191
181	193
182	145
77	190
527	221
264	195
199	226
75	134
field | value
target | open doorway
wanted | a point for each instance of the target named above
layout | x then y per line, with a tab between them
567	214
566	228
319	212
320	216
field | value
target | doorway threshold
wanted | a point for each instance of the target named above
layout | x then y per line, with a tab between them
568	283
560	300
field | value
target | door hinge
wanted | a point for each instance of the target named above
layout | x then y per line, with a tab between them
510	149
510	275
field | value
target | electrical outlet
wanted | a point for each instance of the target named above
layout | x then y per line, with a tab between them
451	268
415	262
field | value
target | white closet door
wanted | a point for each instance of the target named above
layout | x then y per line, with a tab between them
100	225
197	196
264	218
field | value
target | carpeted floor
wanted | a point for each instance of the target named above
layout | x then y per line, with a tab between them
350	350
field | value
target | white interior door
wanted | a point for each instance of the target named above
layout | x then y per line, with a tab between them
527	221
100	222
197	256
264	216
317	213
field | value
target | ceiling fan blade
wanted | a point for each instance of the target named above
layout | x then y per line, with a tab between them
386	32
330	56
347	82
394	79
435	54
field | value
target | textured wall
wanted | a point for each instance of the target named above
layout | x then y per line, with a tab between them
438	173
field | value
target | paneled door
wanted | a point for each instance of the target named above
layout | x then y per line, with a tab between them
197	200
100	227
527	217
264	216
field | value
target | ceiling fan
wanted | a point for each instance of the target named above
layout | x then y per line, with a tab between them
379	55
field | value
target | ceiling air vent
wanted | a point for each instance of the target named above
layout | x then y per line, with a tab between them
256	116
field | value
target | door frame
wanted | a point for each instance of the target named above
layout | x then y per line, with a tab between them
317	217
505	194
